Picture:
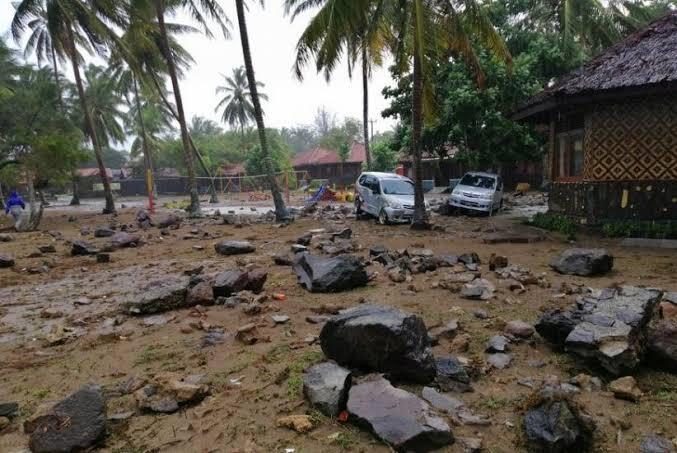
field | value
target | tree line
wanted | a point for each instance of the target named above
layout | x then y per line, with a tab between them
460	66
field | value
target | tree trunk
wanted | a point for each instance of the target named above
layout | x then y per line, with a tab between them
75	200
365	104
280	208
144	143
420	221
35	212
194	207
108	194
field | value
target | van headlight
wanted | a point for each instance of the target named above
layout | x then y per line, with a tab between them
393	204
485	196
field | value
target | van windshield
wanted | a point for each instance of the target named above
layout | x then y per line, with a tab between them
483	182
397	187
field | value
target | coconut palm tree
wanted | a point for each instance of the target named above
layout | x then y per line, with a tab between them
105	104
238	110
280	208
357	28
73	25
198	10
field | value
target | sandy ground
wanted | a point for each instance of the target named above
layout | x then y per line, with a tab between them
252	386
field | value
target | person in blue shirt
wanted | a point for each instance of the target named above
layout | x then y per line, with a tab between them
14	205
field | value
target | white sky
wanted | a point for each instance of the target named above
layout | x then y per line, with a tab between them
272	39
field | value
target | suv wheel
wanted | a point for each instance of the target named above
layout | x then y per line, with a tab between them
383	217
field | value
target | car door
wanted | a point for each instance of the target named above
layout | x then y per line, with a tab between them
367	195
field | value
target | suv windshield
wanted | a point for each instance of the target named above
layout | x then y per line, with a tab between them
397	187
483	182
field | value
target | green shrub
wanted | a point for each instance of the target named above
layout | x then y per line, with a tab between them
555	222
640	229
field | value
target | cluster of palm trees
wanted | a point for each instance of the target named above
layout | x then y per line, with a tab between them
145	53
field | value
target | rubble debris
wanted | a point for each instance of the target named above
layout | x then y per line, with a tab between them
233	281
158	296
519	329
497	262
234	247
167	391
499	360
662	344
656	444
626	388
451	375
399	418
124	240
497	343
103	232
380	338
478	289
171	221
82	248
329	275
442	401
326	386
583	262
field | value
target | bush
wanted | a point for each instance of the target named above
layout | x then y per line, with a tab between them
640	229
555	222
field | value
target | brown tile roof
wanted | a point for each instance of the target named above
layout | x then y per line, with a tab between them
87	172
322	156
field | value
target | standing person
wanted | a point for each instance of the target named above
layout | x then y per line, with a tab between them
14	206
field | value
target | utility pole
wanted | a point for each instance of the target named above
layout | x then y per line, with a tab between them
371	139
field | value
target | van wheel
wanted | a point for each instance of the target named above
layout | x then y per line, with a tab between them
383	217
359	213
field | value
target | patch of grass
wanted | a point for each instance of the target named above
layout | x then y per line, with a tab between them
555	222
635	228
294	386
296	369
344	440
154	353
40	393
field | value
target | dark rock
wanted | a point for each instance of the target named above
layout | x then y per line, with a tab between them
326	386
234	247
583	262
256	278
229	282
380	338
81	248
159	296
451	375
399	418
8	410
555	325
626	388
76	423
469	258
478	289
447	331
103	258
103	232
345	233
305	240
200	294
298	248
662	345
49	248
447	260
497	343
480	313
6	261
170	221
212	338
329	275
169	390
283	260
553	427
519	329
124	240
497	262
656	444
143	220
6	238
377	250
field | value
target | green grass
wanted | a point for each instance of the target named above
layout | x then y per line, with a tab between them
555	222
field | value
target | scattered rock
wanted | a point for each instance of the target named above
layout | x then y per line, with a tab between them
4	422
81	248
656	444
157	297
497	262
586	382
299	423
380	338
470	444
441	401
167	391
49	248
280	319
399	418
9	410
103	232
326	386
480	313
6	237
460	343
283	260
124	240
232	281
662	344
497	343
626	388
103	258
317	319
397	275
478	289
76	423
247	334
447	331
329	275
552	426
234	248
6	261
499	360
519	329
172	221
451	375
469	258
583	262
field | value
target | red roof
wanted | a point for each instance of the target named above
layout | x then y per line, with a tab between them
323	156
233	170
87	172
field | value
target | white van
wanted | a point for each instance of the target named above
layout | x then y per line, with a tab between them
478	191
387	196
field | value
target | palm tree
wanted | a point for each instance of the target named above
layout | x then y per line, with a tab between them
280	208
236	103
196	8
74	24
105	104
357	28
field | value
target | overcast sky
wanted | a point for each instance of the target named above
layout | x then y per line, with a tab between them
273	39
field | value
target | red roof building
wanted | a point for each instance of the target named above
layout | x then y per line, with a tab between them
323	163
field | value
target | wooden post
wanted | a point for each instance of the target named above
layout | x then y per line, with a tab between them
149	188
552	148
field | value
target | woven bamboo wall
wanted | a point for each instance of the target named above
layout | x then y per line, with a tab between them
633	140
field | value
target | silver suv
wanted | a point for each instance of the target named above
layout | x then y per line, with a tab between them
387	196
478	191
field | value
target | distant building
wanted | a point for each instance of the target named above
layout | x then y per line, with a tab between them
89	182
232	170
322	163
612	127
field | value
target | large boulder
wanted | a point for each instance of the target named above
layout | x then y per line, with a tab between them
399	418
608	326
583	262
330	275
234	247
124	240
656	444
103	232
159	296
326	387
380	338
76	423
662	339
451	375
234	280
554	427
